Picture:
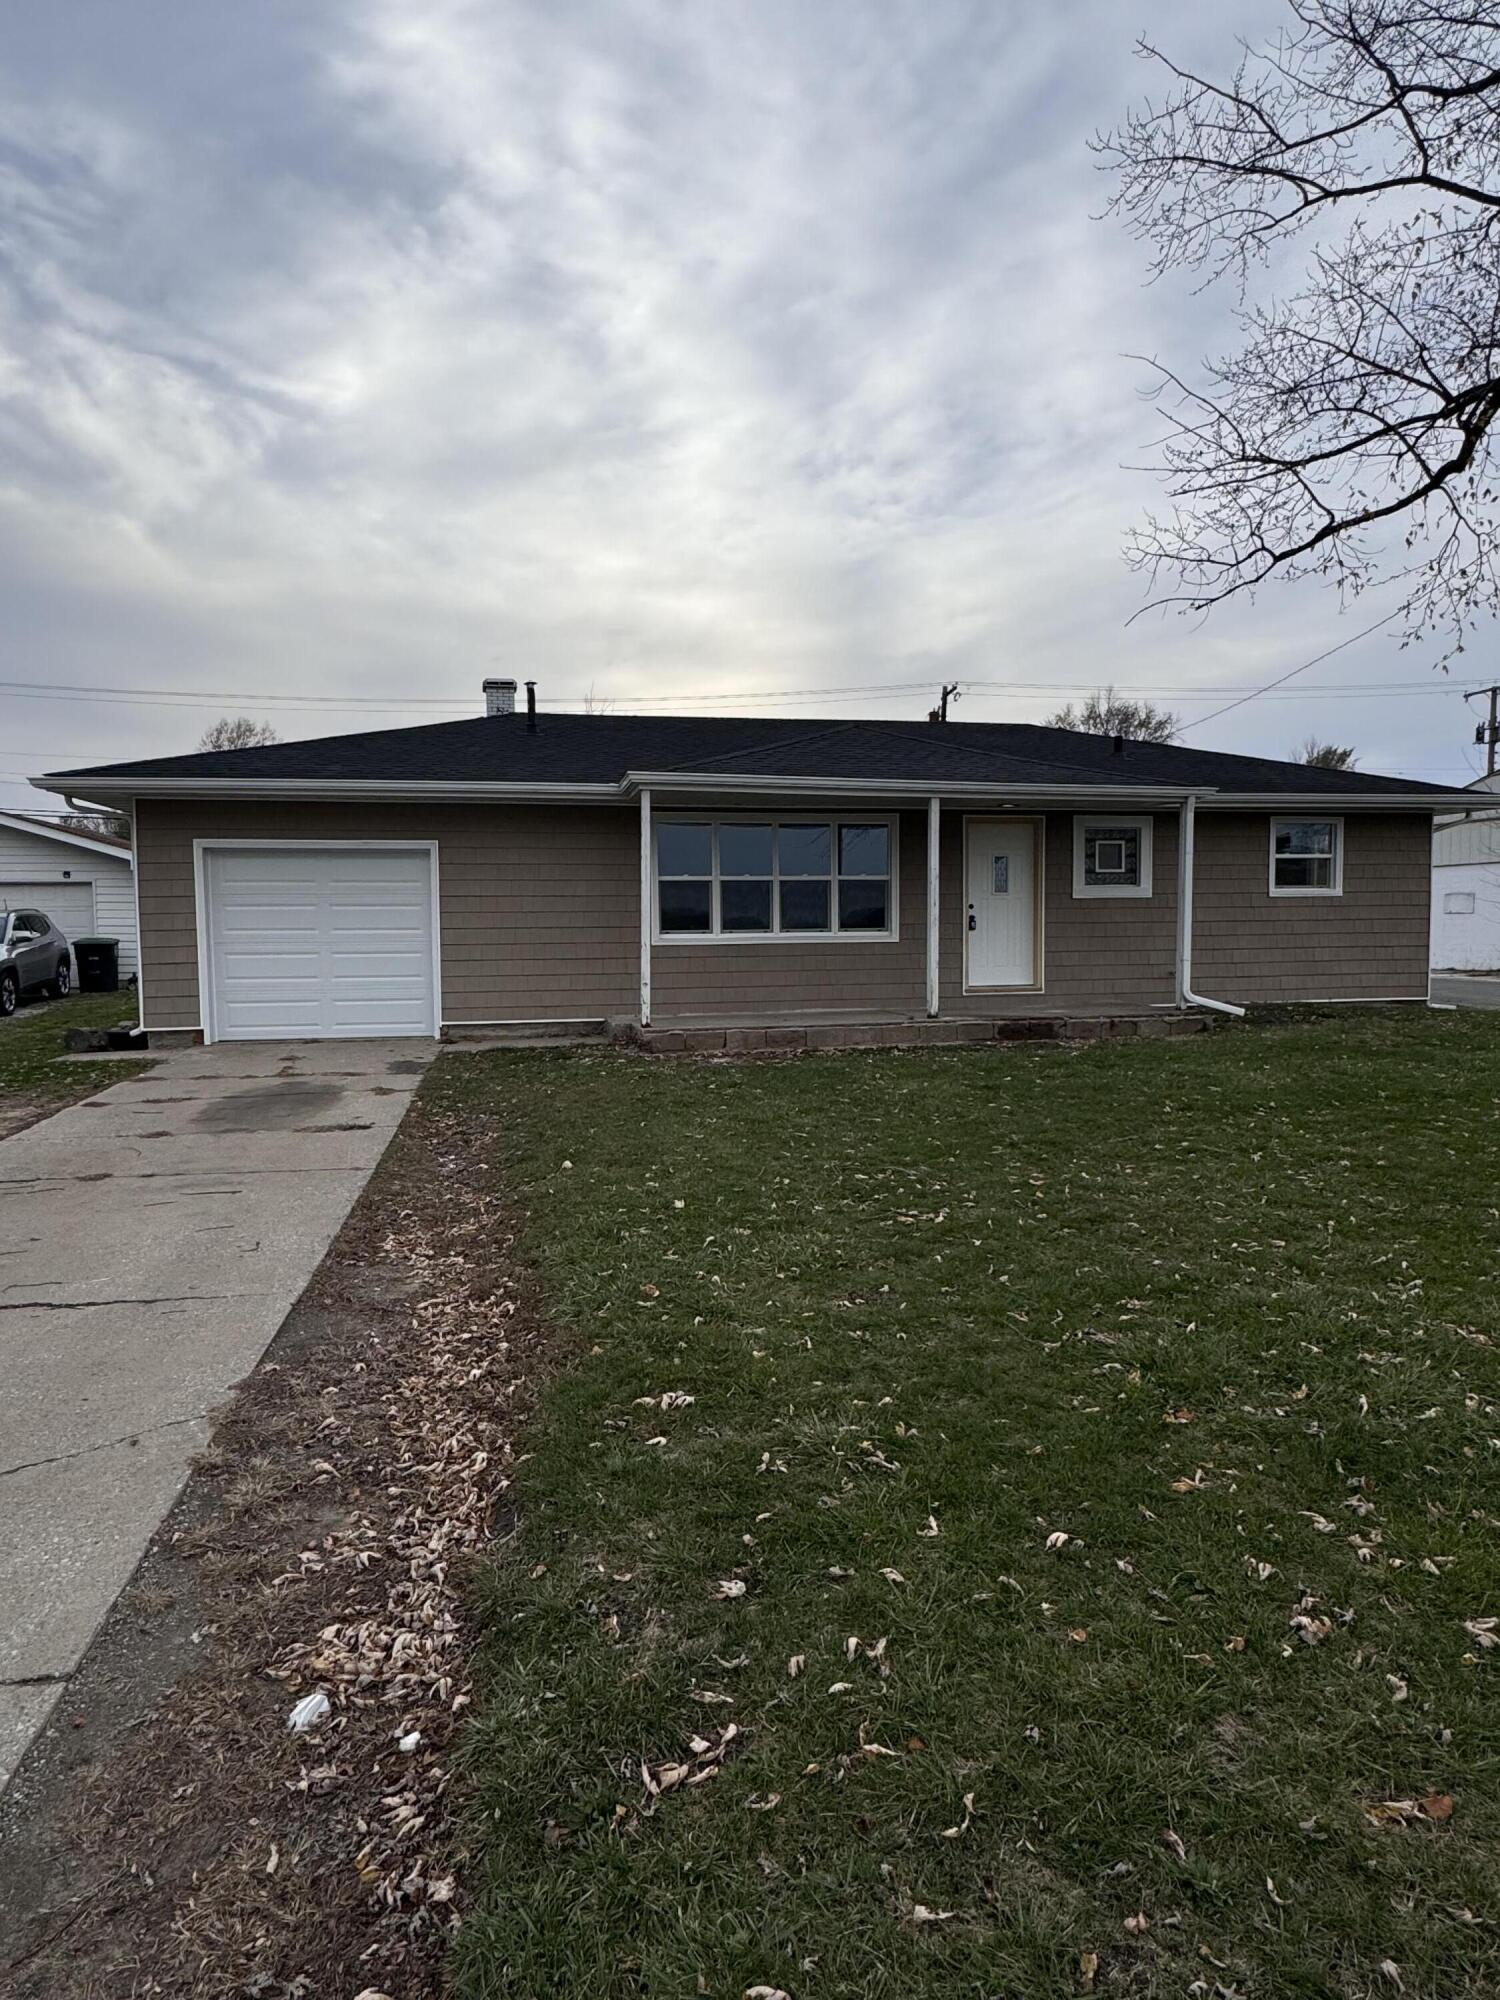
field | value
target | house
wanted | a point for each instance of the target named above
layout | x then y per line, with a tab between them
85	882
1466	887
673	871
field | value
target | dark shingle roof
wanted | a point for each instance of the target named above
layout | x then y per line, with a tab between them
601	749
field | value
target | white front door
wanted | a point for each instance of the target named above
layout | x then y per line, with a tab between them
319	941
1002	879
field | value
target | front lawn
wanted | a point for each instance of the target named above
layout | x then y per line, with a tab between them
32	1080
1017	1523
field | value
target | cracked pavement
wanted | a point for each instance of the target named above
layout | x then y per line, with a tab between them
152	1240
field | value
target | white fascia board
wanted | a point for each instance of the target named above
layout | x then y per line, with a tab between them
436	790
727	785
719	784
1293	805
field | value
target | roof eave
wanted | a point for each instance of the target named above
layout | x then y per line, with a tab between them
758	785
1295	802
20	823
413	789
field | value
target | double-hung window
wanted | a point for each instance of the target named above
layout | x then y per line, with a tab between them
1111	856
745	878
1307	857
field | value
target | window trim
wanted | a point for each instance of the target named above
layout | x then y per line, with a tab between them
1119	892
714	936
1336	821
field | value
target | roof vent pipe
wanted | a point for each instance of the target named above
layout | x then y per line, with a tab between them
531	706
1117	744
499	697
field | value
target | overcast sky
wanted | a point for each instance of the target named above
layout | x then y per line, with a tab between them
357	349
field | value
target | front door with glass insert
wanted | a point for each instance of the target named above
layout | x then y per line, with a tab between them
1001	908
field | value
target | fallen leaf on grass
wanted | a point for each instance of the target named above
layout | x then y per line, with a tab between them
1088	1968
729	1586
1079	1634
1392	1972
1059	1540
707	1759
1139	1924
767	1804
1235	1643
1483	1631
932	1529
1174	1842
795	1664
953	1832
766	1993
893	1576
920	1914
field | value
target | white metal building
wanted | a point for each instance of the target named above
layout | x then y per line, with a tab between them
1466	890
84	882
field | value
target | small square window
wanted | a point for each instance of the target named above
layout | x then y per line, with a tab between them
1111	857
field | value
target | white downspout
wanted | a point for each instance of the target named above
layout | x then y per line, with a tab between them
647	907
934	901
1186	997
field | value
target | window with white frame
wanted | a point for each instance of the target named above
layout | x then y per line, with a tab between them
749	878
1307	857
1111	856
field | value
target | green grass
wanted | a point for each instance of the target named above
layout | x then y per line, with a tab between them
1006	1295
32	1040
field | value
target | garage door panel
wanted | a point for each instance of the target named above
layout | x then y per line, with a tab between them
320	942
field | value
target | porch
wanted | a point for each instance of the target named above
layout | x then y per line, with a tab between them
870	917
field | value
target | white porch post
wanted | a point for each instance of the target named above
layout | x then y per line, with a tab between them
934	889
646	908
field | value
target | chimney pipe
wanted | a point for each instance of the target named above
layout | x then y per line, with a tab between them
531	706
499	697
1118	746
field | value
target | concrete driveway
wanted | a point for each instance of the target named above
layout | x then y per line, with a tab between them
152	1240
1466	989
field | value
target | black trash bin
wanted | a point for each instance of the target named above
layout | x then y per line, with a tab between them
98	964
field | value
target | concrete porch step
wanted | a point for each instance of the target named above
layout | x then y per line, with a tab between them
787	1037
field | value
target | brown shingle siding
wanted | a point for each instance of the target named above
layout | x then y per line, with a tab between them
1368	943
540	919
539	903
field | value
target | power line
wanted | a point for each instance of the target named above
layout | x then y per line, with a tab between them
1280	681
785	698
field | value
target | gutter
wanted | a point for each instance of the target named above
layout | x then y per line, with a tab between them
1186	997
1293	803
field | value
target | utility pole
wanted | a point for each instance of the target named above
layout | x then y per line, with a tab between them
1488	733
949	693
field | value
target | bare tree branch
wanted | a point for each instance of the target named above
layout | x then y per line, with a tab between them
1370	396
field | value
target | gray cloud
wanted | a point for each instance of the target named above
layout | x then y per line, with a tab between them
358	348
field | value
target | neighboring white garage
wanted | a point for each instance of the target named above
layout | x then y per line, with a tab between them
84	883
332	939
1466	894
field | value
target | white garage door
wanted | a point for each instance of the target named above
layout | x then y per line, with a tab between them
70	905
321	941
